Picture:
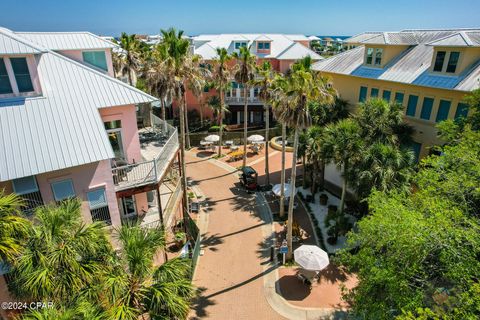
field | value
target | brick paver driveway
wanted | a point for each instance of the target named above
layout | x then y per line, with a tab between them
230	273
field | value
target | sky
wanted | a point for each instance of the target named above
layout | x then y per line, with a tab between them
318	17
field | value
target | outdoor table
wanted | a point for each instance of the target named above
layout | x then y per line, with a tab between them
234	148
229	143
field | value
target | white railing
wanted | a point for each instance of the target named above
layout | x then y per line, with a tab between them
242	99
147	172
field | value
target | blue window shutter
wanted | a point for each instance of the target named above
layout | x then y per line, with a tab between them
363	94
443	110
22	74
412	105
416	147
386	95
426	108
399	97
374	93
462	111
5	86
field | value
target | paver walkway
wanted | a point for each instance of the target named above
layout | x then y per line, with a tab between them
230	273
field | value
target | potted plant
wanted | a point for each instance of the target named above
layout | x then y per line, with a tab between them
180	239
323	199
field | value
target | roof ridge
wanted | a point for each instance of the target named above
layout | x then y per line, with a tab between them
12	35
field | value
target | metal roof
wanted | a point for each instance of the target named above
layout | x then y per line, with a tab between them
280	46
61	128
67	40
411	66
12	44
460	39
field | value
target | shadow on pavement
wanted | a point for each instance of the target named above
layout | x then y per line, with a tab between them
200	304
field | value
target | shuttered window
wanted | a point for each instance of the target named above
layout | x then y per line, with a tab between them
5	86
412	105
363	94
443	110
426	108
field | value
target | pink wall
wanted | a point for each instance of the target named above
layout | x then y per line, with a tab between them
131	143
77	56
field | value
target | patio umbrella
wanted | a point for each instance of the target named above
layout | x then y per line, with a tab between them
212	138
311	257
255	138
277	189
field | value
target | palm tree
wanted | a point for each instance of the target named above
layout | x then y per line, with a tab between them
182	69
131	55
221	80
343	142
62	257
303	86
137	287
244	75
13	227
219	111
265	82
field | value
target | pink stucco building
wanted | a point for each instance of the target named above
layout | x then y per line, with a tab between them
69	129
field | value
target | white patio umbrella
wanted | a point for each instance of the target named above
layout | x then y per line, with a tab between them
311	257
255	138
212	138
277	190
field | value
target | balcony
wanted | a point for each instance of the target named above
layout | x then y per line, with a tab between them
159	145
240	100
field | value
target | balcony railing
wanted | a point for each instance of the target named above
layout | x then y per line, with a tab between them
151	171
240	99
31	201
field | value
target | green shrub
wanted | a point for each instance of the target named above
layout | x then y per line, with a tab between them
215	128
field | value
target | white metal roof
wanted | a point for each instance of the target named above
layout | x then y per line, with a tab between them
67	40
282	46
411	66
61	128
12	44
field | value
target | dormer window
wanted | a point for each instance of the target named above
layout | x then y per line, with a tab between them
15	76
96	58
5	86
374	57
442	64
240	44
265	46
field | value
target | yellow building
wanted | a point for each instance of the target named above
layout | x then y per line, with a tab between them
427	71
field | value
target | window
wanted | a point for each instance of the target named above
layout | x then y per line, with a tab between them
5	86
378	56
443	110
63	190
96	58
22	75
399	97
462	111
412	105
452	62
114	131
25	185
264	46
374	93
426	108
369	56
386	95
115	124
240	44
439	59
98	204
363	94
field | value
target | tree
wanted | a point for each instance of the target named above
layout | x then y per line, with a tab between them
13	227
129	60
342	142
136	286
245	74
302	87
266	84
416	254
221	80
62	256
